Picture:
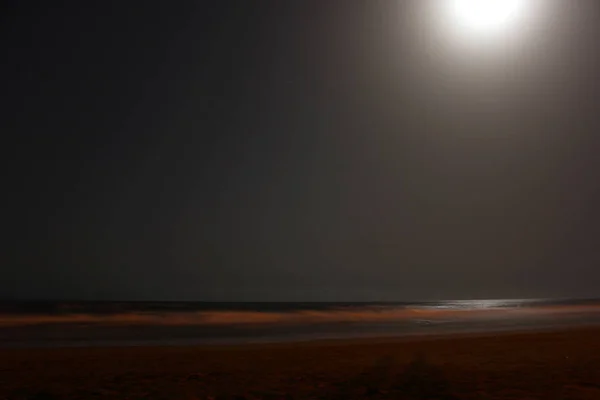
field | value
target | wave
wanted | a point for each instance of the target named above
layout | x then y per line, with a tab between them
297	317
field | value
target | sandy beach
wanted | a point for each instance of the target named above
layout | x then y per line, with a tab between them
562	364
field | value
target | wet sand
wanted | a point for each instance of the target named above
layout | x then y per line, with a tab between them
562	364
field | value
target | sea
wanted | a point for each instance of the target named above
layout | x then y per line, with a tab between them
33	324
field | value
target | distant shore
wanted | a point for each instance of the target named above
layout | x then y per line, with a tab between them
558	364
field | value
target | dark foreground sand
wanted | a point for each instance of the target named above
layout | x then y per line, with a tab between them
544	365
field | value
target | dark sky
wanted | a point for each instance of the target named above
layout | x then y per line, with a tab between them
296	150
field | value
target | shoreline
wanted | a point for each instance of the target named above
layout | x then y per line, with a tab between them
418	333
367	340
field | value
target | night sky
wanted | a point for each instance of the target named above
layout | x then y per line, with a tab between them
296	150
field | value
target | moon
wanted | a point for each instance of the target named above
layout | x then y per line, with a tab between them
483	18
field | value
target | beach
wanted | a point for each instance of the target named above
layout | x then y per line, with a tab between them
555	364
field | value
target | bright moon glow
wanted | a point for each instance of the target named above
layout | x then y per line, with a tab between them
484	17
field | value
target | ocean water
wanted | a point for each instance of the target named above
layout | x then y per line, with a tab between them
51	324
